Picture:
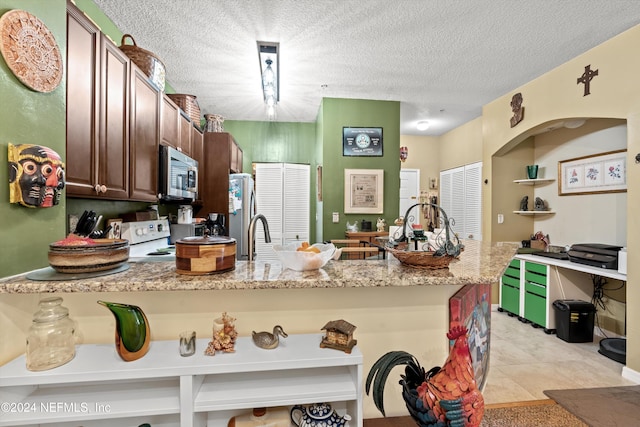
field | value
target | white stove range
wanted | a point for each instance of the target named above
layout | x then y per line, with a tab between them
146	237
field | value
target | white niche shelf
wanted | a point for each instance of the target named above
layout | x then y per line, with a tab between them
162	388
537	181
534	212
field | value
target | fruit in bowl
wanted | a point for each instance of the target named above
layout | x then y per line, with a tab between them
304	257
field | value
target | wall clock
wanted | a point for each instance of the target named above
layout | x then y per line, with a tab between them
30	50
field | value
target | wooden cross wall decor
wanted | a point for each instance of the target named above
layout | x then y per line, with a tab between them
586	79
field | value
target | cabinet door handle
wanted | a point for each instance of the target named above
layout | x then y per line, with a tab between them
103	188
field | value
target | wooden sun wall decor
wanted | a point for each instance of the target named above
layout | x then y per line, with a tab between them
517	108
586	78
30	50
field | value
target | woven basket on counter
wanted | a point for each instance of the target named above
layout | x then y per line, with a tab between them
189	105
421	259
147	61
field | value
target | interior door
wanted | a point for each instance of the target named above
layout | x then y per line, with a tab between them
410	193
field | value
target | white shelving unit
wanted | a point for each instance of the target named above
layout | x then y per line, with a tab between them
538	181
97	388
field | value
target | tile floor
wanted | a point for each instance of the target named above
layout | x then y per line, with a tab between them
525	361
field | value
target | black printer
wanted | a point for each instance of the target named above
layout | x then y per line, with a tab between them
595	254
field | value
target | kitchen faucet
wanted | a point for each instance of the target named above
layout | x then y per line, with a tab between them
252	233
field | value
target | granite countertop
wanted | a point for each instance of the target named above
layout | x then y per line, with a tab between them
480	262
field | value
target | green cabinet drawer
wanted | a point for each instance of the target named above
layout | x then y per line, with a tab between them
540	279
513	272
515	263
510	300
511	281
535	289
535	309
538	268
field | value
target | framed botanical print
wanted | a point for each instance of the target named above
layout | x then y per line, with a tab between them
598	173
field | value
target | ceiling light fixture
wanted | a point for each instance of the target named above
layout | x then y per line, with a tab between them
422	125
574	124
270	73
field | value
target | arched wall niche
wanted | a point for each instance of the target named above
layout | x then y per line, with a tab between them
546	145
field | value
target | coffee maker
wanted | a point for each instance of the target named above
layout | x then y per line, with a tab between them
216	224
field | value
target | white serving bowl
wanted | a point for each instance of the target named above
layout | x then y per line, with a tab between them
304	260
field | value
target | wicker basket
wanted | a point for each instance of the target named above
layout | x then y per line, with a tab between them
421	259
148	62
189	105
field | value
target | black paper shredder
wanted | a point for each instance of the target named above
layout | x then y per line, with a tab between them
574	320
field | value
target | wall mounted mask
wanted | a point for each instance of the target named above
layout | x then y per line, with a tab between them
36	176
404	153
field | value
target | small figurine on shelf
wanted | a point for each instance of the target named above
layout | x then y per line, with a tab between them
339	336
524	203
381	224
539	205
224	335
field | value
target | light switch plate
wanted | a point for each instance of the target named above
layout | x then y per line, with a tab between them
336	217
500	218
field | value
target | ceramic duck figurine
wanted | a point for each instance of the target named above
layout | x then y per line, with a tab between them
268	340
132	330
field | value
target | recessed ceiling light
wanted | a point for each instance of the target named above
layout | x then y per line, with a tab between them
422	125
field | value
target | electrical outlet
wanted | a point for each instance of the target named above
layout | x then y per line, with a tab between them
336	217
73	221
500	218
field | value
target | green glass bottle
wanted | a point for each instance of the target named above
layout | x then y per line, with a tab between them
132	330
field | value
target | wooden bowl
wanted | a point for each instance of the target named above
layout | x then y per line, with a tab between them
105	254
199	255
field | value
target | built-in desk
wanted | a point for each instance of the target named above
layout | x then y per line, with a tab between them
603	272
544	280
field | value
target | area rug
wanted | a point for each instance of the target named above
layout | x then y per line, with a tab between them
605	406
539	413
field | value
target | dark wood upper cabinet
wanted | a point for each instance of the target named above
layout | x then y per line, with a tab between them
169	132
220	149
144	138
97	121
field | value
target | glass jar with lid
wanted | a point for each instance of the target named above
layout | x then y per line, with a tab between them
50	342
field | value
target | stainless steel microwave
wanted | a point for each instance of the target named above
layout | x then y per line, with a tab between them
178	175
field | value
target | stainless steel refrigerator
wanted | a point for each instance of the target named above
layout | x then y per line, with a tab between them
242	207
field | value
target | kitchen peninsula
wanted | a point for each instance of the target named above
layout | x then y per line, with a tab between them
392	306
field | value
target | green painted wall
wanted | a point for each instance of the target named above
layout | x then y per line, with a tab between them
336	114
29	117
275	142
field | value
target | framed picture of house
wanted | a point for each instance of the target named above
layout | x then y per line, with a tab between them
366	142
364	191
597	173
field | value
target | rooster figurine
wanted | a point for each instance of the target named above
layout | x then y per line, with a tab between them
442	397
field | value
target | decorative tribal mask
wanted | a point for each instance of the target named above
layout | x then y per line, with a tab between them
36	176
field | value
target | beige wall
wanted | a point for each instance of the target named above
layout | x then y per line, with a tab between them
461	146
555	97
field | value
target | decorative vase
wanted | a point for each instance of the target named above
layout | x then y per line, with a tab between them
132	330
213	123
532	171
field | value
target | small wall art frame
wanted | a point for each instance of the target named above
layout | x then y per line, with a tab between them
362	142
597	173
364	191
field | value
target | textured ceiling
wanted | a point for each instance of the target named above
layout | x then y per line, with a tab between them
442	59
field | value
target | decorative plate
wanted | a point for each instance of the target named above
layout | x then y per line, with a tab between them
30	50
